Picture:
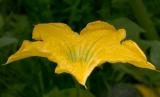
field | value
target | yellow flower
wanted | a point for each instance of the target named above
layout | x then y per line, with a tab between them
78	55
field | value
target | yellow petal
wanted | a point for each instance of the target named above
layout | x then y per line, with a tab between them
53	30
78	55
97	25
125	52
29	49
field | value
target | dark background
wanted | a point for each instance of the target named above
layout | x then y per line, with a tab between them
35	77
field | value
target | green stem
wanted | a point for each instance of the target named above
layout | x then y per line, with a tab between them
143	18
77	88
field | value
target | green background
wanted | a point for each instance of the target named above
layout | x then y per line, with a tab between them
35	77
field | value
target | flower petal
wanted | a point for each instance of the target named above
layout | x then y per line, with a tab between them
97	25
53	30
51	38
127	52
29	49
108	46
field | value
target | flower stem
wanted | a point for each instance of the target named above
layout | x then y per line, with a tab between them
77	88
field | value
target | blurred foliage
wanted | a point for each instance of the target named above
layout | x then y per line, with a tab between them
35	77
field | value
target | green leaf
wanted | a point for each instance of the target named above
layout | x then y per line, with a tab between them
133	30
155	53
53	93
124	90
71	92
119	1
6	40
1	21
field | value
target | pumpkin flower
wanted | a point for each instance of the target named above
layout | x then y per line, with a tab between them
78	54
